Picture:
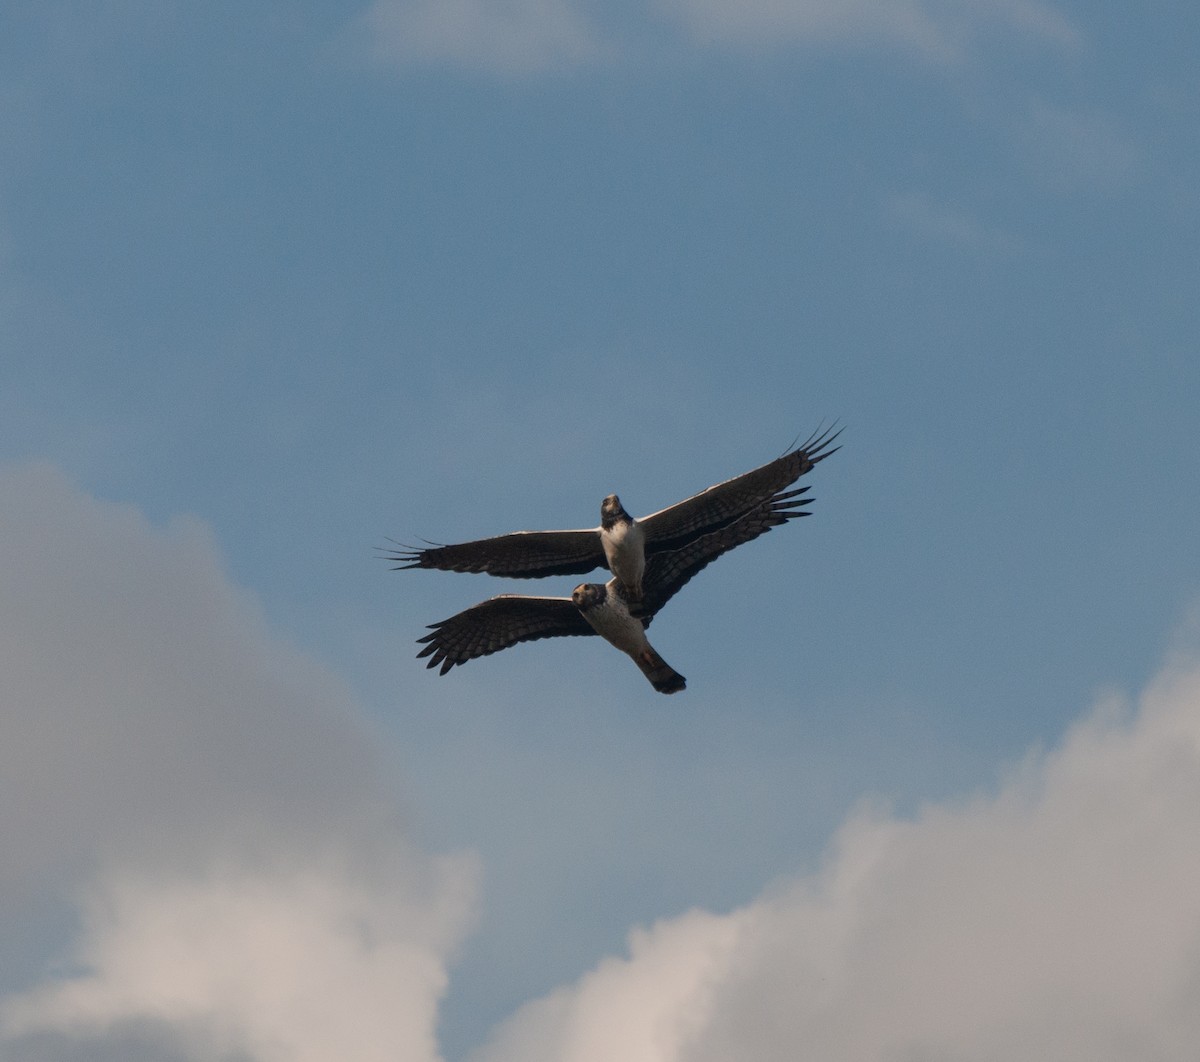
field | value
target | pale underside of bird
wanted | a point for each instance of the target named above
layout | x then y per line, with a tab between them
606	608
621	543
603	608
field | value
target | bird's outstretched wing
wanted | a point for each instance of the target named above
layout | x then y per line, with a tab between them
667	573
496	624
721	505
519	555
532	554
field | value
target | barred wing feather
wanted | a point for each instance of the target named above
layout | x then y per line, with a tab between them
498	623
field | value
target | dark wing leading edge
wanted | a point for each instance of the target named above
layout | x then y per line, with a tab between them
724	503
520	555
667	573
496	624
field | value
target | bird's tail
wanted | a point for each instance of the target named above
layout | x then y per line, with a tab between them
663	677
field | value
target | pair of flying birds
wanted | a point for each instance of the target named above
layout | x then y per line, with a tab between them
650	559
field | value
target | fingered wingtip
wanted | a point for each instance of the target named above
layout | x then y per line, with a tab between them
406	556
436	656
818	445
790	495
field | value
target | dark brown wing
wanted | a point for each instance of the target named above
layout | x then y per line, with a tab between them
721	505
520	555
496	624
667	573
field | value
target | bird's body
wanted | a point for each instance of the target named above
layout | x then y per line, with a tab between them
605	607
623	540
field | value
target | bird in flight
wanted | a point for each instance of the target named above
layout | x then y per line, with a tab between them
606	609
621	543
651	559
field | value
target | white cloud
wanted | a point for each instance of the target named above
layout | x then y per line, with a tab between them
300	964
1057	918
641	1010
211	799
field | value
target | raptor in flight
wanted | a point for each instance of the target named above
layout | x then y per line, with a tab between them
606	609
621	543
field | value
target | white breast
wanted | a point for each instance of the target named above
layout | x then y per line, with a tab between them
612	621
625	550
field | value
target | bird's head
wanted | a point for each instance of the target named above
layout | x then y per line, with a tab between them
612	511
588	595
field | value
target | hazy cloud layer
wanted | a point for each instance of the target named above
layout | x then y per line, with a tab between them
496	36
1057	918
938	29
526	36
949	224
1075	151
211	800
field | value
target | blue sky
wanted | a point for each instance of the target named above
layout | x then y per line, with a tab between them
277	284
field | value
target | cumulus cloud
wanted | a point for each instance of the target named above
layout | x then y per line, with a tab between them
1055	918
299	964
210	803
